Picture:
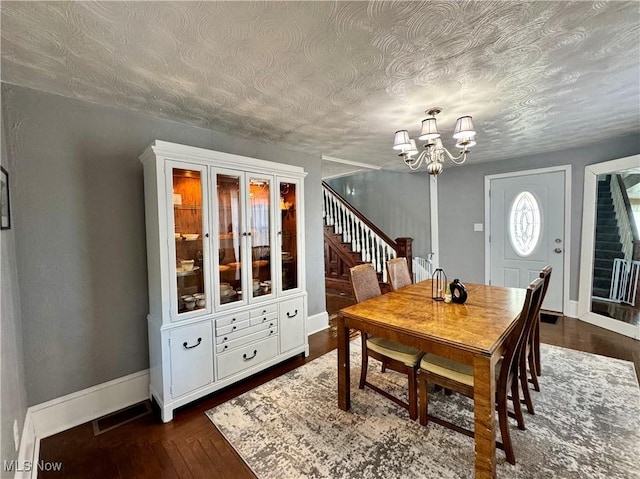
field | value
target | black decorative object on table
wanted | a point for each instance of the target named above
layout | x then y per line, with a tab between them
458	292
438	284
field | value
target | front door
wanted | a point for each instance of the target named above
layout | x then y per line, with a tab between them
526	221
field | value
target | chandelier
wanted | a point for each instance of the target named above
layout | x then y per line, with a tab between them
434	153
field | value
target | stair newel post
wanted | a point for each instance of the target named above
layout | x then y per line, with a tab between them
405	248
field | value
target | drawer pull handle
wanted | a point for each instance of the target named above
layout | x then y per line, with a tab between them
233	328
295	313
264	319
270	324
226	346
264	311
247	358
271	332
225	338
233	319
185	344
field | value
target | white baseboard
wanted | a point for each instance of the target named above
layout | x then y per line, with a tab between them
28	451
572	309
317	322
60	414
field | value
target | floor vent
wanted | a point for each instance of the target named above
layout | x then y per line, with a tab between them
549	318
118	418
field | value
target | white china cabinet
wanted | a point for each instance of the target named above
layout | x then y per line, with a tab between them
225	254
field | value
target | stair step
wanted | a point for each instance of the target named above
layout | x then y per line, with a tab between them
608	245
602	254
604	236
603	263
602	283
600	292
605	201
601	221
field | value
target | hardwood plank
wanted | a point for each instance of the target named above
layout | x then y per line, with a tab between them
84	455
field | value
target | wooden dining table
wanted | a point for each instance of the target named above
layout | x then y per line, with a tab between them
472	333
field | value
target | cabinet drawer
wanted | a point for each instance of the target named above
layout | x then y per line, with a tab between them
229	328
261	311
235	343
233	318
246	357
266	318
191	358
233	335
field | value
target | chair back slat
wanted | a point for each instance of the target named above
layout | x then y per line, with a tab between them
398	271
364	282
518	337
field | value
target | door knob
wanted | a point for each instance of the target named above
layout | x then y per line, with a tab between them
557	250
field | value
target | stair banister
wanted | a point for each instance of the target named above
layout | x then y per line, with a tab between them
373	245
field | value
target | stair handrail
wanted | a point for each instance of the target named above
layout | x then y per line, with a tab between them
365	237
625	227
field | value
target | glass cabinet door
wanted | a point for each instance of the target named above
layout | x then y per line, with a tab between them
230	219
260	235
188	186
289	203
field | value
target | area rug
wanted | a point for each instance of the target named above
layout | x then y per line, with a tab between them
587	425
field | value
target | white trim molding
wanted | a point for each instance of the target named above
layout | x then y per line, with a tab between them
60	414
584	313
351	163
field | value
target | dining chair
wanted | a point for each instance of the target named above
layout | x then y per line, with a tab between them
392	355
398	272
458	377
530	354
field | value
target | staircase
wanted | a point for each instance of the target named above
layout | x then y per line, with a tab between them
608	245
351	239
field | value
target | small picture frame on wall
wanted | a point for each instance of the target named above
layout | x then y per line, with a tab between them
5	209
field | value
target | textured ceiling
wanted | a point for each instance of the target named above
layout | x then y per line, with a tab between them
338	79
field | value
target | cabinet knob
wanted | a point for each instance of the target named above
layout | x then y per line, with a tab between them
234	328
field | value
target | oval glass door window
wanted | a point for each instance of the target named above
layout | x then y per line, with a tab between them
524	223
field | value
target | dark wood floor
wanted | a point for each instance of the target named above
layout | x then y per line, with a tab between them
191	447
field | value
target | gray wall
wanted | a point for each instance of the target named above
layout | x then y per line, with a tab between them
398	203
461	203
79	226
13	398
